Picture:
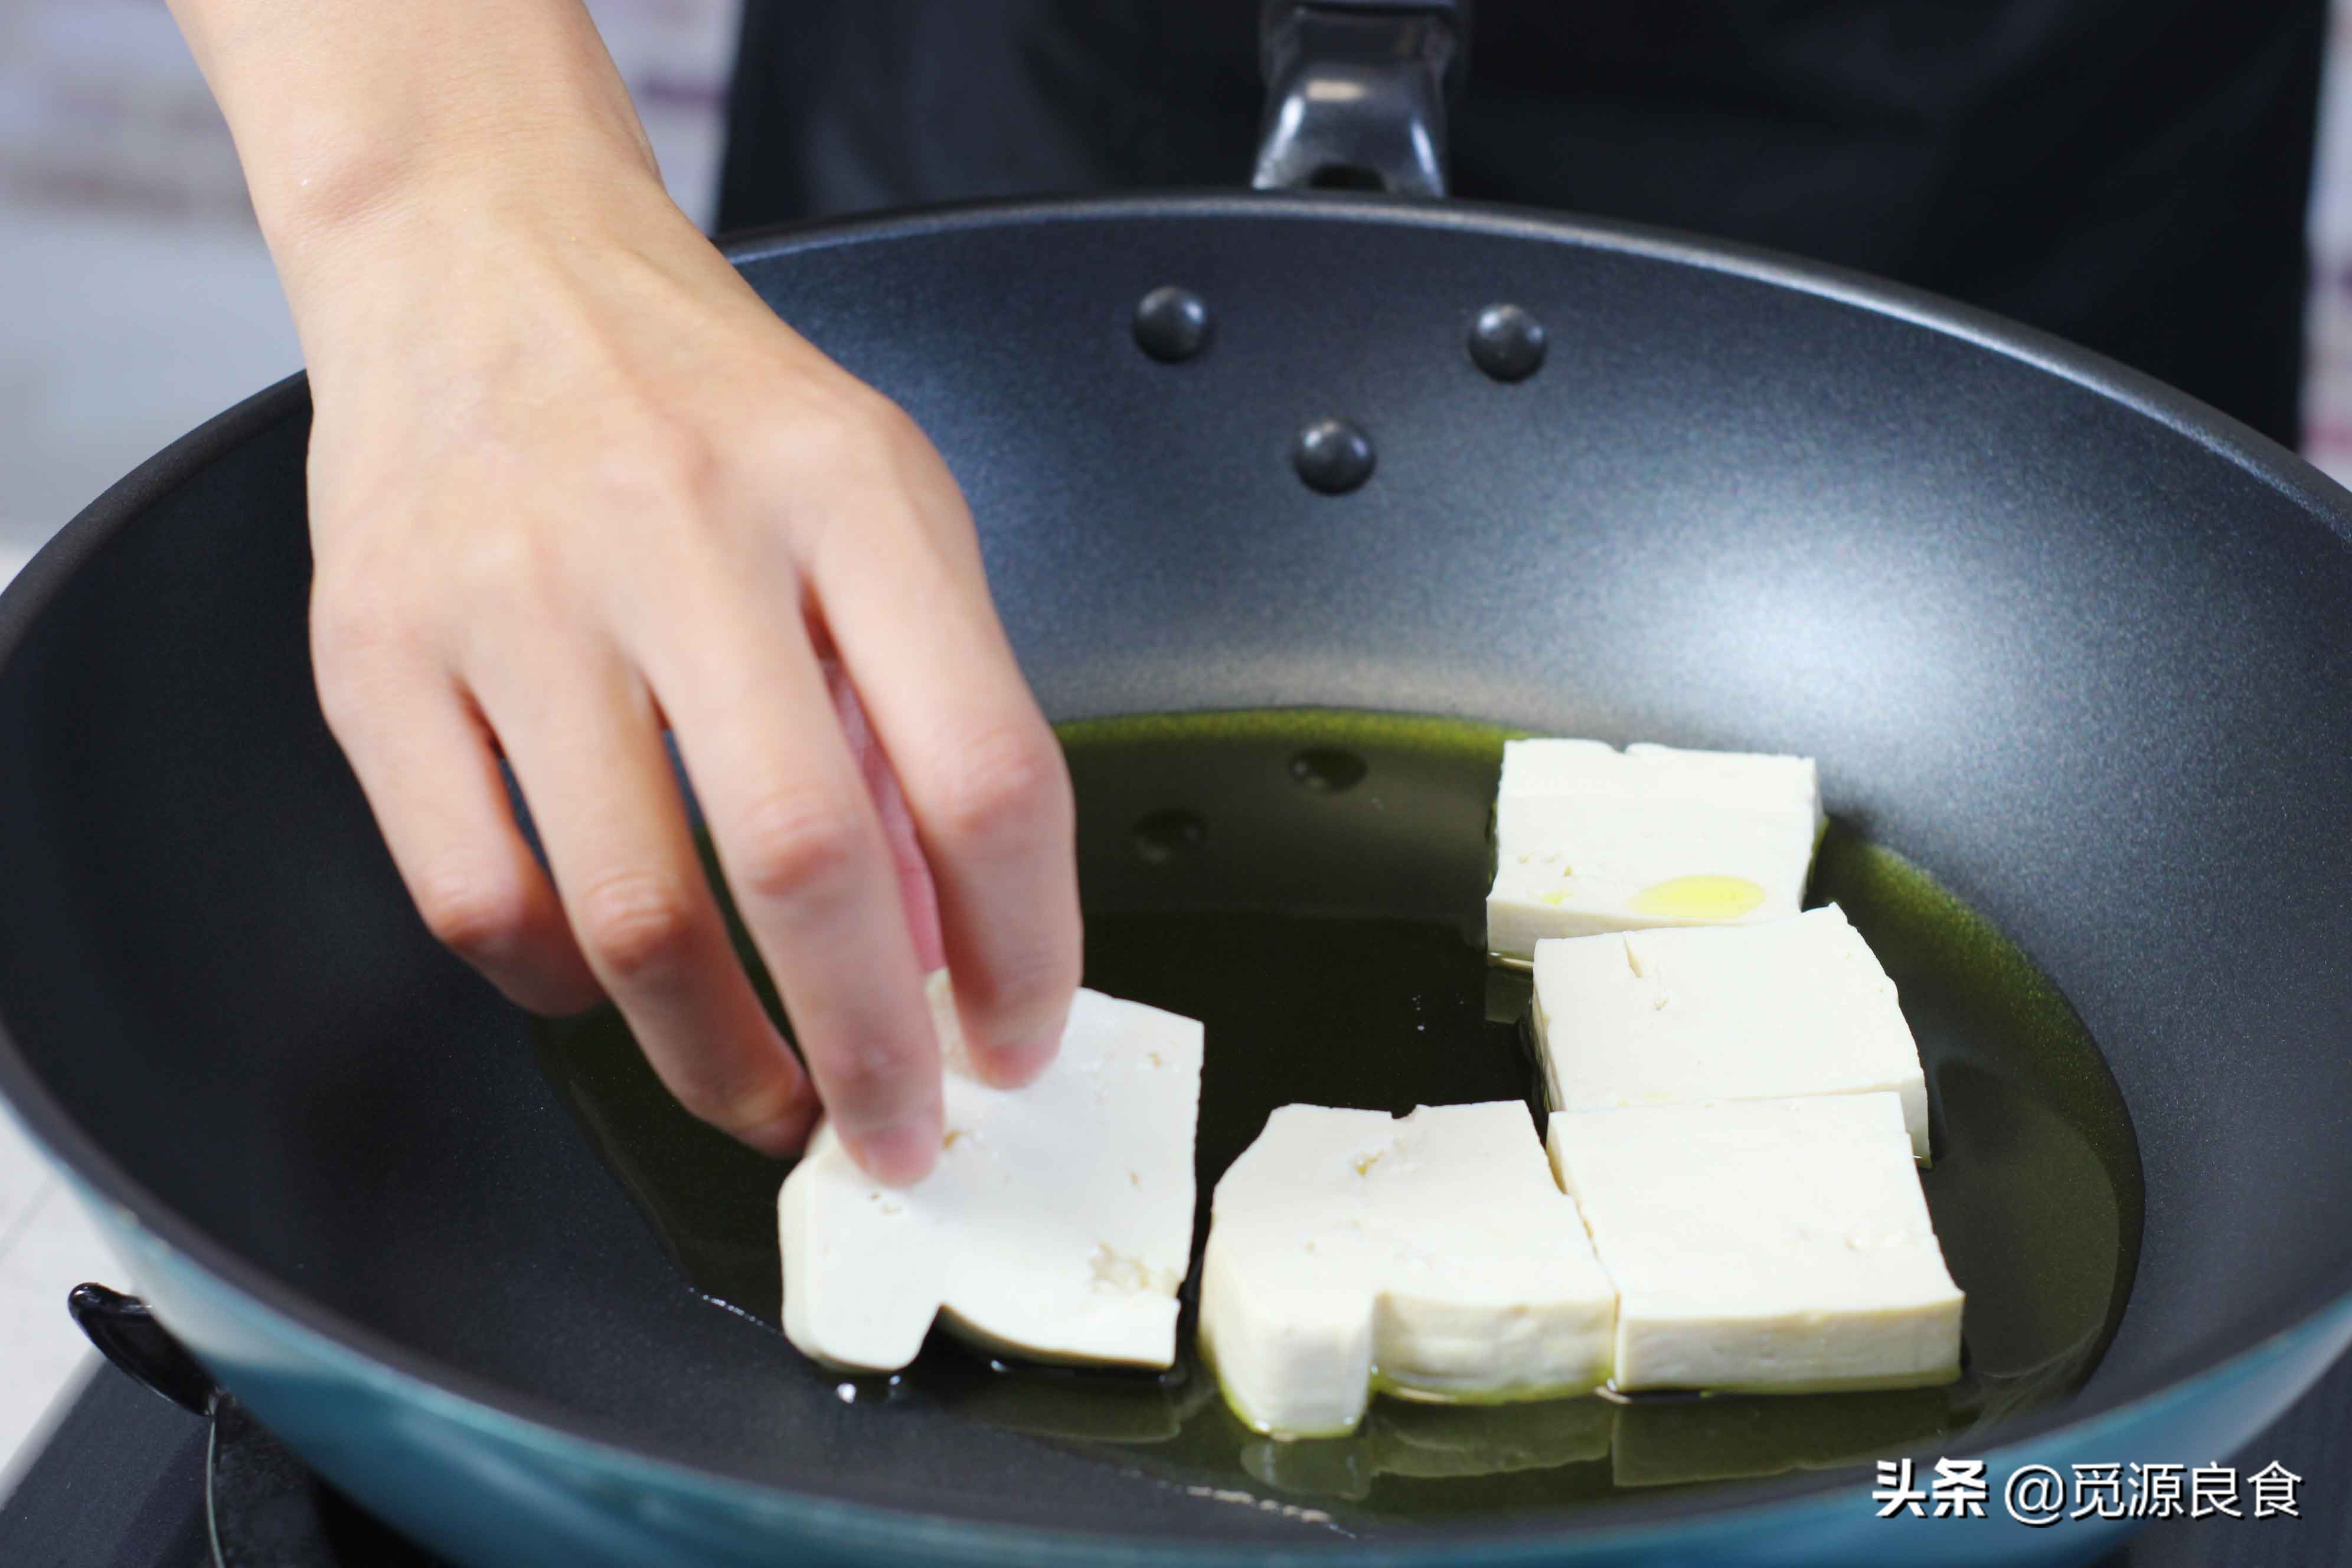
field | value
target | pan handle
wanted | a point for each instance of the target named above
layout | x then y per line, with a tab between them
1354	92
126	1333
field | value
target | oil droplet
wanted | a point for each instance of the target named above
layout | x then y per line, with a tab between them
1165	834
1699	897
1327	770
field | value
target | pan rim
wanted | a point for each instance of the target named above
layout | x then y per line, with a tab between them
510	1415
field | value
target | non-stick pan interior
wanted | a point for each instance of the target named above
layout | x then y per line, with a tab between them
2092	669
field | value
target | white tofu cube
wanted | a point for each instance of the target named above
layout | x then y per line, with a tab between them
1764	1246
1661	1017
1056	1225
1589	839
1431	1257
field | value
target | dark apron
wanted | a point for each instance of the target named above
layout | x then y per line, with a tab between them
2130	174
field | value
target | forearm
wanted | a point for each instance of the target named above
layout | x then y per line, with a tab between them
352	117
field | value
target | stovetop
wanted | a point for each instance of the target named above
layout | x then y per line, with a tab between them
121	1483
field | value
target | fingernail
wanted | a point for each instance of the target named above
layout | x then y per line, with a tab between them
1011	1067
782	1138
901	1154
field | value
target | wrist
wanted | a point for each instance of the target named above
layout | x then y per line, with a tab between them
356	122
388	249
361	193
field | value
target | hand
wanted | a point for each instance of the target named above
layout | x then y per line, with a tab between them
572	482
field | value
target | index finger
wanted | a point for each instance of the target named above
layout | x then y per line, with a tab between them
586	746
812	872
985	779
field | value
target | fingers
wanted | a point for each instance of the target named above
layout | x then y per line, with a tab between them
583	740
983	775
915	889
424	761
811	869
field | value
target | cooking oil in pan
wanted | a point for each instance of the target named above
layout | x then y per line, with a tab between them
1310	886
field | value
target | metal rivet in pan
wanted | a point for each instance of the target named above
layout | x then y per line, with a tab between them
1172	324
1506	343
1333	456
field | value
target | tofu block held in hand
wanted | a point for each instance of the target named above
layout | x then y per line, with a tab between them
1431	1255
1588	839
1667	1018
1056	1227
1764	1246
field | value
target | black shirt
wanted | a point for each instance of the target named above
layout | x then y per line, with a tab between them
2128	174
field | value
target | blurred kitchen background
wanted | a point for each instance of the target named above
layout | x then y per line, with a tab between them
139	301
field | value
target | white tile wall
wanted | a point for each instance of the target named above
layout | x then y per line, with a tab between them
140	303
